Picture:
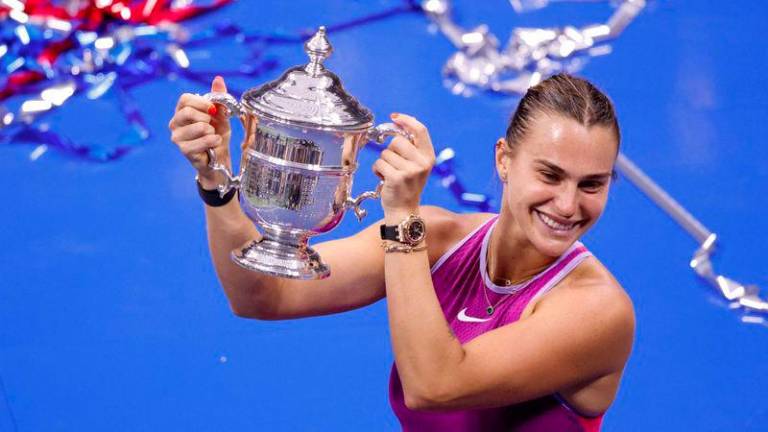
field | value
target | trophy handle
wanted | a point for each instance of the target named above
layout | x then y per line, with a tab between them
378	134
354	203
384	130
232	108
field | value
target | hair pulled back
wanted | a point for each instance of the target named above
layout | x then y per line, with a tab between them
566	95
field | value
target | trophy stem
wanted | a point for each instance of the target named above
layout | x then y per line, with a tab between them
282	254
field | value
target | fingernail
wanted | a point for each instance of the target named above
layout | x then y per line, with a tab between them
212	110
394	115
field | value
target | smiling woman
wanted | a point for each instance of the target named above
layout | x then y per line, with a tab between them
542	331
498	322
561	146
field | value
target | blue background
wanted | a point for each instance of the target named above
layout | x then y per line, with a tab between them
111	317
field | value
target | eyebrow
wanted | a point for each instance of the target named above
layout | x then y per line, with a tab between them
559	171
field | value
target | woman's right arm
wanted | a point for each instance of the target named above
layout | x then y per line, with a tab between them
357	262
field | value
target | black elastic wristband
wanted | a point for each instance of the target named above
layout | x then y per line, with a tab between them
212	198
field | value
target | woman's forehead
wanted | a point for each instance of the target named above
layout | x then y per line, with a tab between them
570	145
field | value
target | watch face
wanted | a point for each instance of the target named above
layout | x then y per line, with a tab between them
415	231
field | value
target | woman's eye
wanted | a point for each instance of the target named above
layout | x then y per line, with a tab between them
550	177
591	186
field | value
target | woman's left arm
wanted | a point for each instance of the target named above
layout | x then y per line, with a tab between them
423	344
580	334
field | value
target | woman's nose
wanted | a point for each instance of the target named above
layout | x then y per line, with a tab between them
567	201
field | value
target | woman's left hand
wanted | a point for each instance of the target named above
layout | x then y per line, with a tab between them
405	166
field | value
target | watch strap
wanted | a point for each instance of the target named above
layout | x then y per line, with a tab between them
389	232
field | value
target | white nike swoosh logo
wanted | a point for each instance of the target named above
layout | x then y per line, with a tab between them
462	316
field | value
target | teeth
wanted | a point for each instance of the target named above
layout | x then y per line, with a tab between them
554	225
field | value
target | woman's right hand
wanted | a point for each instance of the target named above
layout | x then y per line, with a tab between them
199	125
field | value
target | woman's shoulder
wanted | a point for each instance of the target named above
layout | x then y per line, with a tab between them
446	228
592	286
592	275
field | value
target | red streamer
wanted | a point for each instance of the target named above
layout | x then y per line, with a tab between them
91	17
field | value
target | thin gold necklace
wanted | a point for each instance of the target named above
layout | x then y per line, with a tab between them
505	282
492	308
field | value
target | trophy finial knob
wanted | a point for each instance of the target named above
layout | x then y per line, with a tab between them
318	48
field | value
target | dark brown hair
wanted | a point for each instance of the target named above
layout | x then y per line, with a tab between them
566	95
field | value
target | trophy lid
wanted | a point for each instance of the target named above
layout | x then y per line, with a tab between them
310	95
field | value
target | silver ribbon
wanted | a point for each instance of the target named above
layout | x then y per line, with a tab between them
530	55
739	296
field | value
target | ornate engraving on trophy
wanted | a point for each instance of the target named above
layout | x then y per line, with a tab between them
272	186
272	143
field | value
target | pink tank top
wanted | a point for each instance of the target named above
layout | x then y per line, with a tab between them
459	278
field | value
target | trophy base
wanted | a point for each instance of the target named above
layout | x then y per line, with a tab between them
277	259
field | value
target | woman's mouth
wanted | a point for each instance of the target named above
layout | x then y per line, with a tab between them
560	227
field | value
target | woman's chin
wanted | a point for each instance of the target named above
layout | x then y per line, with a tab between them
552	249
554	245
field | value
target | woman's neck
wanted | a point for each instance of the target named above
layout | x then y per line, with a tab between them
511	257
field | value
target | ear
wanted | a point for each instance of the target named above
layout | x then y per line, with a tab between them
502	159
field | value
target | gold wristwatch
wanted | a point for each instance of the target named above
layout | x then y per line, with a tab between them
411	231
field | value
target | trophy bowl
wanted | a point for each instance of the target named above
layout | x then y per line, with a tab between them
303	133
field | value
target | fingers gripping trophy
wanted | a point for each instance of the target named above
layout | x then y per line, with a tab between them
302	136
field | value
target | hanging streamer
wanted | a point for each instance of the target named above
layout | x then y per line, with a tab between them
530	55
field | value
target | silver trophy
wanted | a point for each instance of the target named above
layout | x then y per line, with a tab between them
303	133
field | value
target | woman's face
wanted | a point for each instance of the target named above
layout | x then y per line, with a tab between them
557	180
